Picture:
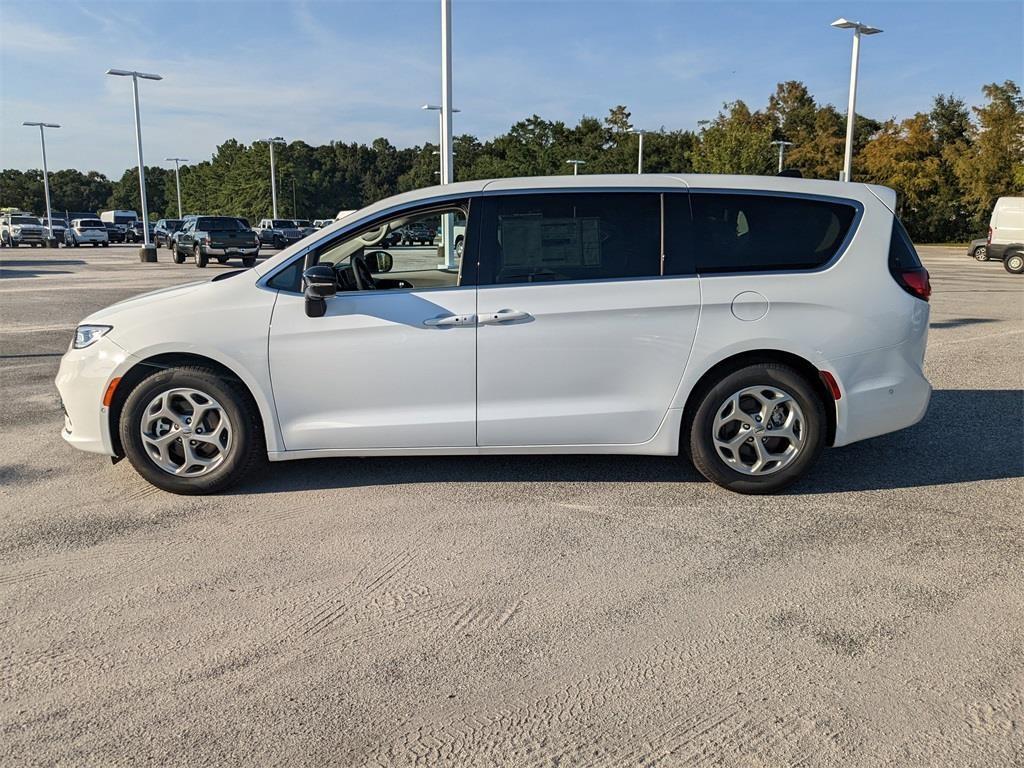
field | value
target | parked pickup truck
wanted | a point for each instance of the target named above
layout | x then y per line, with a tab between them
220	237
21	230
278	233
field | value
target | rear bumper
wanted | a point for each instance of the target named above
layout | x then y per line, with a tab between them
250	251
883	391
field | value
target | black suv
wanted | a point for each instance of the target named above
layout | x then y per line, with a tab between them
163	230
115	232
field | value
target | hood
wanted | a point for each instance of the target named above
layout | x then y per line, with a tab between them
146	300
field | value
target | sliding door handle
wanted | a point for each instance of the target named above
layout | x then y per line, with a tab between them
503	316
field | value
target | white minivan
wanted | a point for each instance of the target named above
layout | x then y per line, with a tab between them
747	322
1006	233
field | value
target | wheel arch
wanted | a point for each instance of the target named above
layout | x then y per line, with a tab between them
752	357
145	367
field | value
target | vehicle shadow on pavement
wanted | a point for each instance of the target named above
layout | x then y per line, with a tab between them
953	444
967	435
14	274
961	321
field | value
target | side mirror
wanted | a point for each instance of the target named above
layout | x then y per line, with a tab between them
379	261
321	284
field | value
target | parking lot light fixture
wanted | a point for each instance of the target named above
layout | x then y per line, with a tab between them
273	173
640	150
858	30
50	240
575	166
177	177
782	149
447	173
147	252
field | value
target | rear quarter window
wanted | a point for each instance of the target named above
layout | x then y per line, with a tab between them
733	232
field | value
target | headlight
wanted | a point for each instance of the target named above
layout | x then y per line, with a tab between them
87	335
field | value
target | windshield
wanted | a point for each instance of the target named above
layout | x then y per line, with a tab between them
301	222
90	223
23	220
282	224
218	222
56	222
172	223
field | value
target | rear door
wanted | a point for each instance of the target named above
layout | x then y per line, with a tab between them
582	339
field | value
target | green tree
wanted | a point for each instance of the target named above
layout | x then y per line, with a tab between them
994	164
736	141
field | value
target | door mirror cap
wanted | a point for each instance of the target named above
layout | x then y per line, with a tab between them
321	281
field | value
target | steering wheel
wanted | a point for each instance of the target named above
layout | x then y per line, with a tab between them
362	275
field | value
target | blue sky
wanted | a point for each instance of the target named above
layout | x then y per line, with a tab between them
354	71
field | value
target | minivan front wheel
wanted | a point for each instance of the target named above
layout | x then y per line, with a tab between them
1014	263
187	430
757	429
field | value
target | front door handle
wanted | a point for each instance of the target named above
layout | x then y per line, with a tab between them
503	316
447	321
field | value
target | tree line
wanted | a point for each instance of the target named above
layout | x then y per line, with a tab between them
948	165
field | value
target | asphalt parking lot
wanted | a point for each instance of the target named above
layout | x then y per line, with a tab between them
519	610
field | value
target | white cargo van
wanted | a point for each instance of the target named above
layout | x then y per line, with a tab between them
1006	233
119	217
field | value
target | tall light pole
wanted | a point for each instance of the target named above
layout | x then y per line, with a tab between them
858	30
575	166
148	251
177	178
50	241
782	150
273	173
640	151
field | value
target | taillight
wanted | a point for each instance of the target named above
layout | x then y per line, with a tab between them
990	235
915	282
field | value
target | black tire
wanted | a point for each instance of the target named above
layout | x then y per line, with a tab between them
980	253
105	244
201	258
247	448
222	259
697	434
178	256
249	261
1014	263
14	244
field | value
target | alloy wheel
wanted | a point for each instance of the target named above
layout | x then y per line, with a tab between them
758	430
186	432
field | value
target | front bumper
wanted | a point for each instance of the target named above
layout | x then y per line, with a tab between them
82	381
28	237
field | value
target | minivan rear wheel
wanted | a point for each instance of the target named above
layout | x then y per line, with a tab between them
757	429
188	430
